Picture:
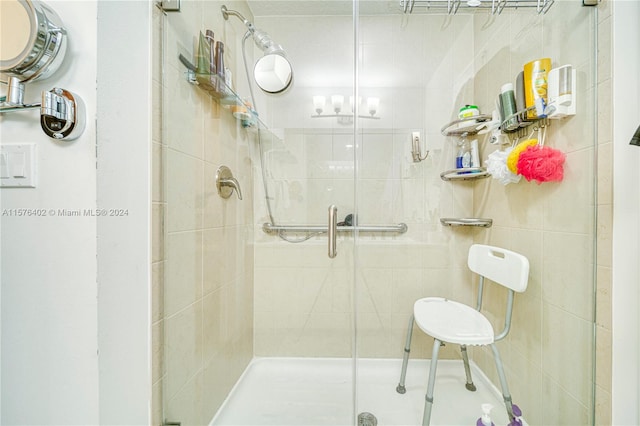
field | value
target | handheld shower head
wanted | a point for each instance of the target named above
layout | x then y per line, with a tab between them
273	72
265	43
261	38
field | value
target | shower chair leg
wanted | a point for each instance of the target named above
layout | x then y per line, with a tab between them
428	399
405	358
503	383
467	370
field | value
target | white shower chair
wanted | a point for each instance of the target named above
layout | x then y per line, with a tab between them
449	321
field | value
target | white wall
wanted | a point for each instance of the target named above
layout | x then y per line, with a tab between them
49	303
75	323
124	187
626	229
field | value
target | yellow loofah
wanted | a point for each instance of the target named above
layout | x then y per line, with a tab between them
512	159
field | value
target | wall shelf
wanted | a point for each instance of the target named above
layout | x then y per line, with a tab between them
524	122
467	221
218	89
465	126
469	173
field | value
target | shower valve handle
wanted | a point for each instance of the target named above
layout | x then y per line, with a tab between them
332	230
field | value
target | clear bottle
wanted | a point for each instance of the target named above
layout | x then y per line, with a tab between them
475	153
463	155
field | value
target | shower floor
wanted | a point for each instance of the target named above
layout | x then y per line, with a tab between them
317	391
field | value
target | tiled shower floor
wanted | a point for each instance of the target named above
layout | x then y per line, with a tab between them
317	391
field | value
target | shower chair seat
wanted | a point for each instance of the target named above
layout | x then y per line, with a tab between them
453	322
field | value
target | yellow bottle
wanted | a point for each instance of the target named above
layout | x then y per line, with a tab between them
536	76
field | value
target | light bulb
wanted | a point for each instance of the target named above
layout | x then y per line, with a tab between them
337	101
372	105
318	103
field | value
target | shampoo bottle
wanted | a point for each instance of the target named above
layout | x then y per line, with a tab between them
220	67
508	108
536	75
519	89
212	56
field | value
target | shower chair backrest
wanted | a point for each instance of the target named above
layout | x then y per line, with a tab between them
501	266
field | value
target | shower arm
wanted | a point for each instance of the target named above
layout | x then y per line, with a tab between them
226	12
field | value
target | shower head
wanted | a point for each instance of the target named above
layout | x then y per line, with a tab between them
273	72
265	43
261	38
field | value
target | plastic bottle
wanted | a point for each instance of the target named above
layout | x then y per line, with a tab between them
468	111
508	107
535	86
463	156
521	104
220	67
485	419
475	153
212	57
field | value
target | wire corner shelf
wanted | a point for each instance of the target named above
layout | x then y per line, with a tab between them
467	221
467	173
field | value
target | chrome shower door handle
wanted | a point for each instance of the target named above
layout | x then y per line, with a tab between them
332	230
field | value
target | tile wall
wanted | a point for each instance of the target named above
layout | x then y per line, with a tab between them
548	354
203	244
605	218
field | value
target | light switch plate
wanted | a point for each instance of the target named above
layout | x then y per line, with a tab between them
18	165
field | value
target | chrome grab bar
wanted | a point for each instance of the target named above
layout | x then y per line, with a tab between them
332	229
270	228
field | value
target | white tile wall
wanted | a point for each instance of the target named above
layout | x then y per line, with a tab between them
203	275
552	223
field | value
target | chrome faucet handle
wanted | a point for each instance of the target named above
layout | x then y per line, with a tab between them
226	183
231	183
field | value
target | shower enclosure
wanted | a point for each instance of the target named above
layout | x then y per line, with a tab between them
248	282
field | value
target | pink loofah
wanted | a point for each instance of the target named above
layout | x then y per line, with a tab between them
542	164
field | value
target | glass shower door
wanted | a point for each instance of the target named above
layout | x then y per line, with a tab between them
257	323
423	66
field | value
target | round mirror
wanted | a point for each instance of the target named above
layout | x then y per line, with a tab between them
32	39
273	73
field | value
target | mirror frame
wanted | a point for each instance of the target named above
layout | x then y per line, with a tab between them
44	52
